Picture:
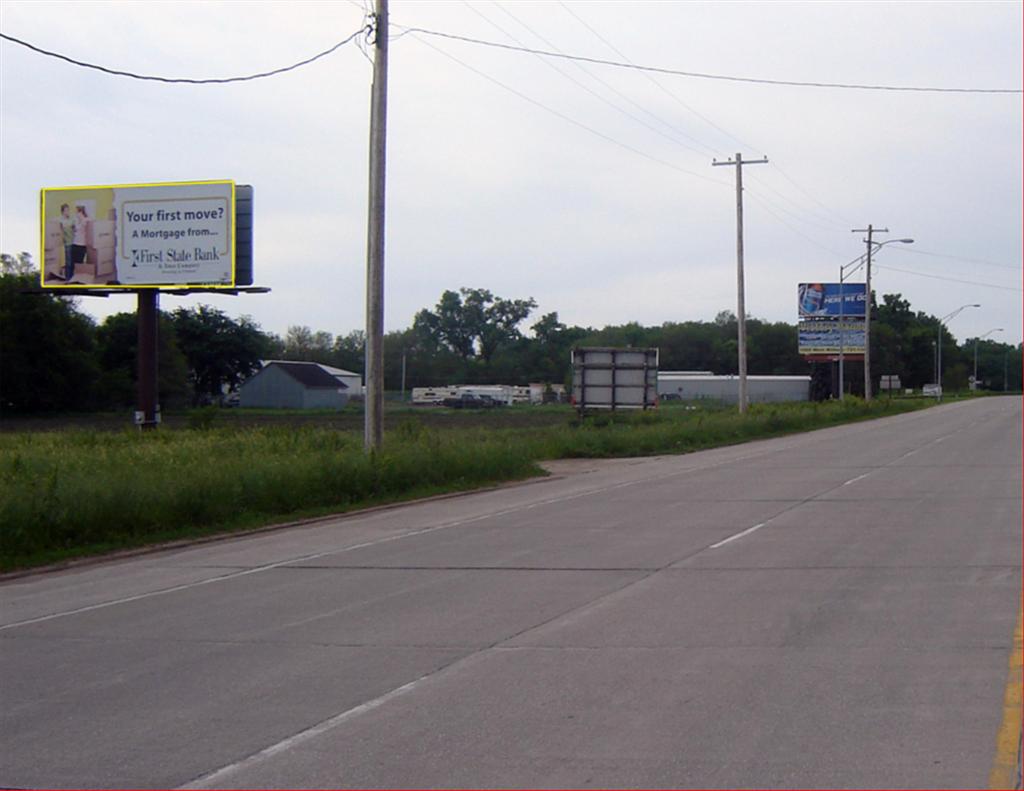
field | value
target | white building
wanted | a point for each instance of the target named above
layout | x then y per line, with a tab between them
689	386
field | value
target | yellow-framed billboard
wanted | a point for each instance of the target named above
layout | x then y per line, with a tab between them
169	235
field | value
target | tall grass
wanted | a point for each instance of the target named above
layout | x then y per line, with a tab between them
78	492
61	493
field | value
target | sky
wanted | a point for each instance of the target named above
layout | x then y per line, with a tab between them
587	187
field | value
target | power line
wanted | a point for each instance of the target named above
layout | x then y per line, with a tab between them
706	76
768	208
617	92
657	84
791	180
206	81
705	119
800	217
565	117
950	279
572	79
981	261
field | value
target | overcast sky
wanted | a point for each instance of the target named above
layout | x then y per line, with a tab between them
589	188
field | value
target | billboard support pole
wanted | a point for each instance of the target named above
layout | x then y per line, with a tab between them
373	416
147	359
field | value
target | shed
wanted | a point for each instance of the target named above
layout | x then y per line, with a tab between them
283	384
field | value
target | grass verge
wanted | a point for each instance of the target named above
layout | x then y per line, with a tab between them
75	493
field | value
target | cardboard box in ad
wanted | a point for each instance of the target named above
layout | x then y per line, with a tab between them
53	237
102	257
99	233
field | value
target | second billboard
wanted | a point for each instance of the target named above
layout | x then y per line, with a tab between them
831	300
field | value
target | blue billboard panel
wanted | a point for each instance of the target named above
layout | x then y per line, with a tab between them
829	337
831	300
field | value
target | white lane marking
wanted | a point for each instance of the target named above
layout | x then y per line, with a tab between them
738	535
858	478
302	736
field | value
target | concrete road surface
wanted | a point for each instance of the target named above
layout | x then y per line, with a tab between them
834	609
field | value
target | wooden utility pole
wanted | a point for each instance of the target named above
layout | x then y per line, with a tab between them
867	307
741	306
373	421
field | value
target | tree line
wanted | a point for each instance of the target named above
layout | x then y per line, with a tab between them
54	357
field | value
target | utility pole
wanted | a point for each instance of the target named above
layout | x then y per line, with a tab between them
741	307
373	420
870	230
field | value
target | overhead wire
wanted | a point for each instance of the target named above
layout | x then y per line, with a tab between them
817	220
981	261
568	118
204	81
653	80
615	90
572	79
949	279
768	208
709	76
674	96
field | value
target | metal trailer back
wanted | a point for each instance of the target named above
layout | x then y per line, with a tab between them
611	378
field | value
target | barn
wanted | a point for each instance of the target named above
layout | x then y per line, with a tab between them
284	384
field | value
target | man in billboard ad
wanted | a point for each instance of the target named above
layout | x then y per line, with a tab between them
139	235
830	300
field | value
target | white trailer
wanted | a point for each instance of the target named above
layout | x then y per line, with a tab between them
432	396
502	394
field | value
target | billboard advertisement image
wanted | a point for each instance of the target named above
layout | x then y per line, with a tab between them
821	300
827	336
139	235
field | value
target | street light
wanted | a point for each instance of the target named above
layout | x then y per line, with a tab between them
947	317
997	329
856	264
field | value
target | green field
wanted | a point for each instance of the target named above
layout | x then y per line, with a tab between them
95	487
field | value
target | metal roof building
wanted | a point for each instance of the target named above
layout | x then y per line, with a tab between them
284	384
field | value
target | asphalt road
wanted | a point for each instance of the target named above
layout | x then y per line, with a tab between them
834	609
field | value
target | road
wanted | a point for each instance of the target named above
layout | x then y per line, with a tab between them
833	609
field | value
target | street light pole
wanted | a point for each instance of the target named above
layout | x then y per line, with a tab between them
947	317
997	329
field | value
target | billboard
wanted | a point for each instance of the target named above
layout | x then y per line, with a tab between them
827	336
610	378
170	235
821	300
